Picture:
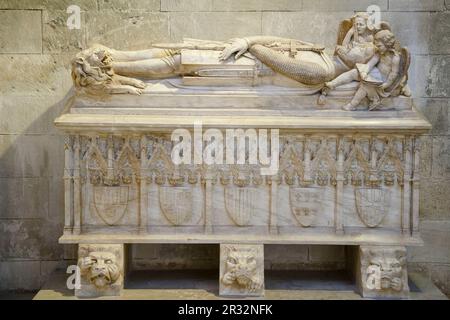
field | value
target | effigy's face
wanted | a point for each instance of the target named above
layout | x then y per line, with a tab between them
361	25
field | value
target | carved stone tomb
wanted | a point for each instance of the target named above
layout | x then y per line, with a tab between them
340	129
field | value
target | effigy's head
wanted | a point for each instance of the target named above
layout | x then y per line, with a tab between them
384	41
92	68
361	22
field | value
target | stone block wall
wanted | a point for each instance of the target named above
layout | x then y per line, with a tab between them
36	47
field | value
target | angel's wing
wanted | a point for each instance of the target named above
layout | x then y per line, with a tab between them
385	26
405	61
344	28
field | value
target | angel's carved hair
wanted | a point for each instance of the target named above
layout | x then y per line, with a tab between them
387	37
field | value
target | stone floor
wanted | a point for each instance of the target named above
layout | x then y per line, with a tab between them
162	285
14	295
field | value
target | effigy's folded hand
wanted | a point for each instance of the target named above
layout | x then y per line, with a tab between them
238	46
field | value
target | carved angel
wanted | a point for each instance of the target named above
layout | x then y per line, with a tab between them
355	44
355	39
383	76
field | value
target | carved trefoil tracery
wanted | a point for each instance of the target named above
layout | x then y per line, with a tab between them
119	162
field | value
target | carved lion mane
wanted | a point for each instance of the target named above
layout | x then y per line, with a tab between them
100	268
391	264
92	68
241	267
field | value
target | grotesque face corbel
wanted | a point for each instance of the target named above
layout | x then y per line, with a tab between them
100	269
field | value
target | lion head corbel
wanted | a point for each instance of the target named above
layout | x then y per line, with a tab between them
100	268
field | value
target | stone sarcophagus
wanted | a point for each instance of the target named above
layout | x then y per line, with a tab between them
245	152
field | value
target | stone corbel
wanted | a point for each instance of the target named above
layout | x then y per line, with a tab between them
101	268
241	270
381	272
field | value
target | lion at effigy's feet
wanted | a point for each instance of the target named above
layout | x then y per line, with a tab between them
100	269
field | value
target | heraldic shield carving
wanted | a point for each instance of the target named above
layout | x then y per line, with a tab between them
111	203
176	204
305	204
240	204
372	205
